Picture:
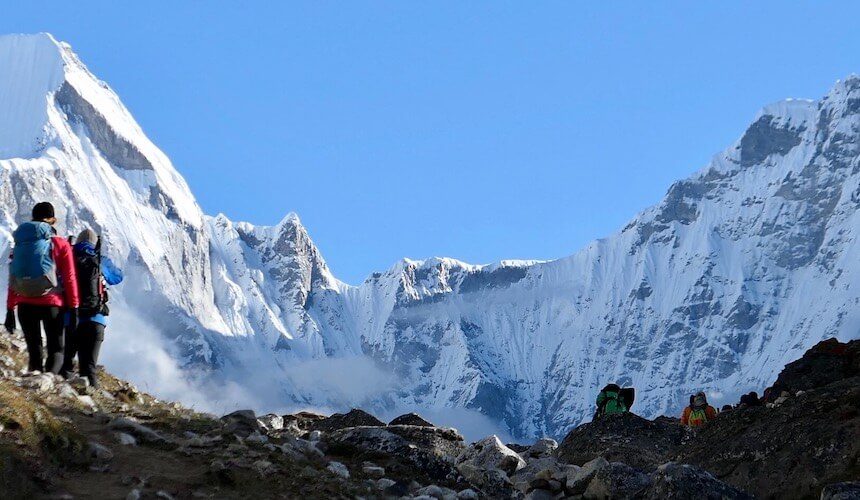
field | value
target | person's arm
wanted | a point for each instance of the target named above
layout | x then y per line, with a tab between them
112	274
66	267
712	412
685	416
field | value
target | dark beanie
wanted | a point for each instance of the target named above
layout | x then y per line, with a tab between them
43	210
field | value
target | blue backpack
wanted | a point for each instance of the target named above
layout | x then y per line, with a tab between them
33	272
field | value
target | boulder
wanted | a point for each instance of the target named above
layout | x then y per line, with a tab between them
428	449
578	480
679	481
542	448
842	491
625	438
491	453
494	482
790	450
410	419
271	422
354	418
827	362
241	422
303	420
540	494
616	481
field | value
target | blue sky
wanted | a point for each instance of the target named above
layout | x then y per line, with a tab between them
477	130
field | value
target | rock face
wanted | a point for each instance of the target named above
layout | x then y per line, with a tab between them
626	438
828	361
792	449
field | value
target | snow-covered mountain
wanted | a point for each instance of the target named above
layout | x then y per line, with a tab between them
737	271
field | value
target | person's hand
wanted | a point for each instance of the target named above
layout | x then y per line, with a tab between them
72	323
10	323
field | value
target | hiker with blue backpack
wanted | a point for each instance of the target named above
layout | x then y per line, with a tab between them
95	272
43	285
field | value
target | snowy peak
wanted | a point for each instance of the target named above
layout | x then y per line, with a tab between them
46	92
32	68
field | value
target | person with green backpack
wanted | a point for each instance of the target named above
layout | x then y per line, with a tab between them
612	400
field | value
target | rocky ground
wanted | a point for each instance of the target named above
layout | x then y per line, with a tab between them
63	439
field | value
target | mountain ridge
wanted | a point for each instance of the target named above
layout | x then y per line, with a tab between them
739	269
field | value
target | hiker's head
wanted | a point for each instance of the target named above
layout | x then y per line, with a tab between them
89	236
700	399
611	388
44	212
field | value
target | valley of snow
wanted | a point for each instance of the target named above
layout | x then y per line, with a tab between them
737	271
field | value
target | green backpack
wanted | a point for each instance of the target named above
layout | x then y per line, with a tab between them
609	403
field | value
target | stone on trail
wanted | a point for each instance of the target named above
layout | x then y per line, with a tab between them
80	384
136	429
125	439
241	422
66	391
99	451
39	382
491	453
338	469
681	481
385	483
373	470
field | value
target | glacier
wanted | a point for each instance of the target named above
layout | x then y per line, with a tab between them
739	269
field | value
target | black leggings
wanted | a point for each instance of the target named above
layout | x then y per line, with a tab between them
86	341
32	319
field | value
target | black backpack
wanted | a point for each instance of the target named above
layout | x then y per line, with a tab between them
93	297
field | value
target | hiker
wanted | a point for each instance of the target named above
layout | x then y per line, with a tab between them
699	412
43	285
612	399
94	272
749	400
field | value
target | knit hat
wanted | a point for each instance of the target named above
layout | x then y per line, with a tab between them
89	236
43	210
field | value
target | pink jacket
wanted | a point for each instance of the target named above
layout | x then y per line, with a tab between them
61	252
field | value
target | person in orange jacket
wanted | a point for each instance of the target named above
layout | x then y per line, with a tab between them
699	412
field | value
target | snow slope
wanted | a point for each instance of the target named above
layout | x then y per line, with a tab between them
738	270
